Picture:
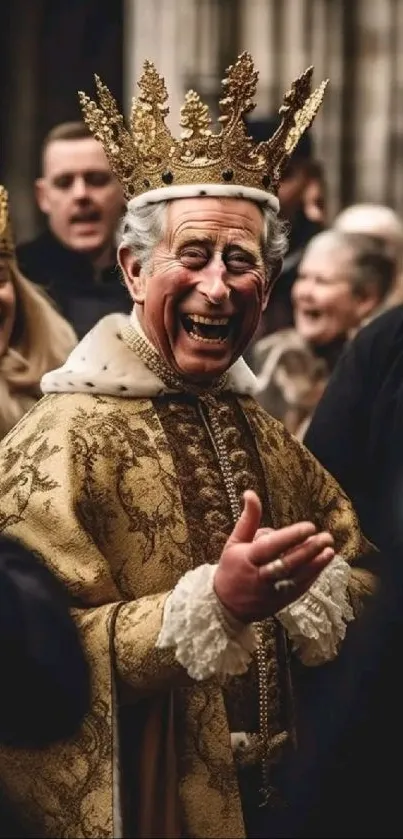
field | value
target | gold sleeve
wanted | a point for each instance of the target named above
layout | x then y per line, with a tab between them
64	496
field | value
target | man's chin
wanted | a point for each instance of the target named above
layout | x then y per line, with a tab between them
87	245
202	374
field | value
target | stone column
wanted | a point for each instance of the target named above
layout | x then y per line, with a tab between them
325	37
155	30
395	169
19	142
373	104
257	32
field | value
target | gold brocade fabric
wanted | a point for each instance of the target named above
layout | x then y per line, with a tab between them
120	497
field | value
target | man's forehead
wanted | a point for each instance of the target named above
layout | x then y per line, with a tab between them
73	156
214	214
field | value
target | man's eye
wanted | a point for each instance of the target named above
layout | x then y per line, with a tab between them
194	255
97	178
63	182
239	262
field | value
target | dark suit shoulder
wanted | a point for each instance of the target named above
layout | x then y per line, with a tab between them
46	685
33	246
33	257
383	331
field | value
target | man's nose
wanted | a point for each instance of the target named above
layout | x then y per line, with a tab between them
79	188
214	282
303	288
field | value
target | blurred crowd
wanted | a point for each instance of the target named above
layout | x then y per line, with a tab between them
322	341
337	276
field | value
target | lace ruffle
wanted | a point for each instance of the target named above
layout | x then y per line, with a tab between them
206	643
316	623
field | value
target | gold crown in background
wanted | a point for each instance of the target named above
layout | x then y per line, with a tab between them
147	157
6	238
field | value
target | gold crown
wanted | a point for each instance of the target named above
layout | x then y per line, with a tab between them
146	157
6	239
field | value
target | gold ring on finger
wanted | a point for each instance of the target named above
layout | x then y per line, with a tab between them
277	569
284	584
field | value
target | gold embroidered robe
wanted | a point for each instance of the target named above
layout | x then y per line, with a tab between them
120	497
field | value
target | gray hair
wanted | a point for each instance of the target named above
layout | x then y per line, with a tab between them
142	229
370	263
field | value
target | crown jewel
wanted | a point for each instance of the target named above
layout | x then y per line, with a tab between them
145	156
6	239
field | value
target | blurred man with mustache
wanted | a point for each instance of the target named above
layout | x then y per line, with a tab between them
75	258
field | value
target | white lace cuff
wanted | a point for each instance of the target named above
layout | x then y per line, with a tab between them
316	623
207	643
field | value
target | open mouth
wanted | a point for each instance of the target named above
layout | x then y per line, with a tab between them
312	314
210	330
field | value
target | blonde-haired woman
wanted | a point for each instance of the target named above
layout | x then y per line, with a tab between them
34	338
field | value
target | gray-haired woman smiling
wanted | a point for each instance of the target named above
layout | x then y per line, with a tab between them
342	282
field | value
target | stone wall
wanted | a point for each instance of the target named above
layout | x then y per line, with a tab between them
359	132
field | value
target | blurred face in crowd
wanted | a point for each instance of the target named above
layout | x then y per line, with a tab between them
314	201
200	300
81	198
325	305
7	306
292	188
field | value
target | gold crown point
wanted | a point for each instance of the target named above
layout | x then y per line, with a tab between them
145	156
195	118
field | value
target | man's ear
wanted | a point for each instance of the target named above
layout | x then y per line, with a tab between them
41	194
275	271
132	274
367	301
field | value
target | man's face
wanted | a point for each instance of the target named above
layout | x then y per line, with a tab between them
81	198
291	189
201	299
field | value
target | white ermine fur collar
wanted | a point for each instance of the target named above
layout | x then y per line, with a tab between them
102	363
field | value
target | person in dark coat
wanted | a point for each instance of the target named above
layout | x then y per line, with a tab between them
356	429
356	433
74	259
45	685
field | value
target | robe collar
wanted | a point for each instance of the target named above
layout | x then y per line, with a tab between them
106	363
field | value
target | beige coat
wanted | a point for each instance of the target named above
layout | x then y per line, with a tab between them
290	379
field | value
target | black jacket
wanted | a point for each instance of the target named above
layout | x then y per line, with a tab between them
45	682
44	674
68	277
357	429
357	434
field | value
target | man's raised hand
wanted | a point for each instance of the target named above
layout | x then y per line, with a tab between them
260	570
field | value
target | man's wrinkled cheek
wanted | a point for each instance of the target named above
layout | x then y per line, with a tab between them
164	263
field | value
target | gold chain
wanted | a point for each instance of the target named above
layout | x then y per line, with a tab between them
226	471
151	358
